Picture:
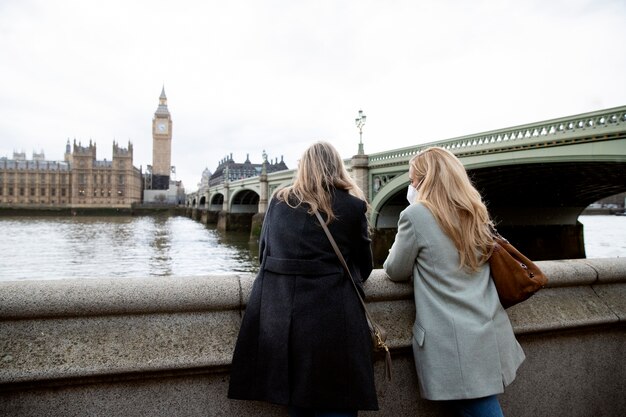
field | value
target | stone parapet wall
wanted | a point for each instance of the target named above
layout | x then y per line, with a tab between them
162	346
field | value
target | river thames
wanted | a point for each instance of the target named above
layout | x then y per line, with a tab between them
162	246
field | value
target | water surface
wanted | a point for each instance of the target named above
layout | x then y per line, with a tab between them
118	246
163	246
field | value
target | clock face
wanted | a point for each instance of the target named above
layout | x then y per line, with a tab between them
161	127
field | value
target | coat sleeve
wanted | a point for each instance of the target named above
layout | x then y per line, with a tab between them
264	232
365	257
403	253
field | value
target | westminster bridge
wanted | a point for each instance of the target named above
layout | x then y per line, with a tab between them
536	179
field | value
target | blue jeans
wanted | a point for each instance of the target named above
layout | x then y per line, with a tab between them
477	407
308	412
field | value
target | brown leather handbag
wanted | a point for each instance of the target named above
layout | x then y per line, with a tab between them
516	277
379	335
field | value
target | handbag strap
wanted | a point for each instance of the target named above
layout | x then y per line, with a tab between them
495	236
375	329
343	262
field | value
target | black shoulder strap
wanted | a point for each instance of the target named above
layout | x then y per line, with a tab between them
343	262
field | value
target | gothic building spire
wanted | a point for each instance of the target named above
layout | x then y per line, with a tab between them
162	109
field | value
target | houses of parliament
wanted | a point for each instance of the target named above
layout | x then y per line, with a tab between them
83	181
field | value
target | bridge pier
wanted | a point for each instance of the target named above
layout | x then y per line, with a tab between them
537	242
360	173
235	222
256	226
205	216
211	217
547	242
382	239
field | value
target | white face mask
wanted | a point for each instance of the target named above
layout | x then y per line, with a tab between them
412	194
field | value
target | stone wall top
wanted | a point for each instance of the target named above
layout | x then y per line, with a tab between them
95	297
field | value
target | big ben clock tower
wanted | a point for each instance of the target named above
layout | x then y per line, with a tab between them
161	145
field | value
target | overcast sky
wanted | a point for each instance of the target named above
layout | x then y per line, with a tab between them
246	76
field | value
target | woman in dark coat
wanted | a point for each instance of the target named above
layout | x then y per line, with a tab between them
304	340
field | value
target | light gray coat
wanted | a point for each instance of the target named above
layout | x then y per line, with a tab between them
463	342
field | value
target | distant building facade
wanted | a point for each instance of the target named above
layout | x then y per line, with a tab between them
79	181
203	185
230	170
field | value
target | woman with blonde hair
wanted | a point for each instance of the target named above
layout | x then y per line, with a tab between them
304	340
463	343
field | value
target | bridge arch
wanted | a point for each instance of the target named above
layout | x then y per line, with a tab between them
244	201
202	202
216	202
389	202
528	186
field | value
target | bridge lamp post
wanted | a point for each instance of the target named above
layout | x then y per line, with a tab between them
360	122
264	165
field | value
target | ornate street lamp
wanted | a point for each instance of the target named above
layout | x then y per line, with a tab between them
360	122
264	165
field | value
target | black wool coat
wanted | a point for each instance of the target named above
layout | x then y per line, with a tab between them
304	338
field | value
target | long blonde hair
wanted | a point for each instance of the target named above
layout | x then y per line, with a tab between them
450	195
320	170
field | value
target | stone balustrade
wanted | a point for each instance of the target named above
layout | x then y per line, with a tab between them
162	346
